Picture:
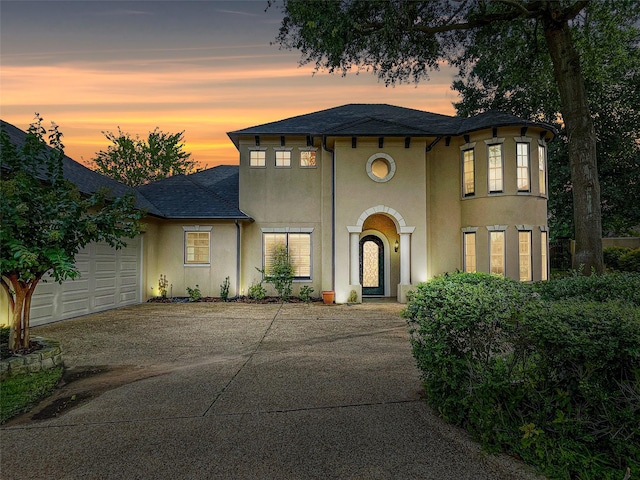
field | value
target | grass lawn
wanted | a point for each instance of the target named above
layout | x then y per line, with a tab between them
20	393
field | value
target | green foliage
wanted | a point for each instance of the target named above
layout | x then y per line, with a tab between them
611	256
134	161
353	297
20	393
538	372
257	291
163	285
305	293
194	293
45	220
224	290
630	261
281	272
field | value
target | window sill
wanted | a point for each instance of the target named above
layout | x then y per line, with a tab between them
197	265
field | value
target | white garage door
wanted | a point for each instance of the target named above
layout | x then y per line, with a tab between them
108	278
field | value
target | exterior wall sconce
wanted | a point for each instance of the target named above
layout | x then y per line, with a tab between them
395	246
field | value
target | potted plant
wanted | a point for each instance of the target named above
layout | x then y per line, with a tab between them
328	296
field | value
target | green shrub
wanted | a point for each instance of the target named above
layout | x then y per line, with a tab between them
281	272
550	374
611	255
630	261
194	293
305	293
224	290
257	291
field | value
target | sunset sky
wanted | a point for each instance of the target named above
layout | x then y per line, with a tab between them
205	67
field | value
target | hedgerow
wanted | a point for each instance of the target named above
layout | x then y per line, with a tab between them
548	372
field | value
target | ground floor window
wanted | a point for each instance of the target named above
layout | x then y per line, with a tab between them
524	254
298	247
197	247
544	275
469	240
496	252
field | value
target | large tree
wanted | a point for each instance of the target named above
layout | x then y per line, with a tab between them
516	80
402	40
135	161
45	221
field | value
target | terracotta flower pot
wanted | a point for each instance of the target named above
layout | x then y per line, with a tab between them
328	296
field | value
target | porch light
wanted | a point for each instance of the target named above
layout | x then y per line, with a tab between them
395	246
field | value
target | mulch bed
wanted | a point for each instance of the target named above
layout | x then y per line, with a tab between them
242	299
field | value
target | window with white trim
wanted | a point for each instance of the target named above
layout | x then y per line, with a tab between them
524	255
544	245
298	247
496	252
469	247
197	247
468	172
257	158
522	160
307	158
283	158
542	169
495	168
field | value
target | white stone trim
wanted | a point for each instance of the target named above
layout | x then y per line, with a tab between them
392	167
287	230
497	228
382	209
470	229
494	141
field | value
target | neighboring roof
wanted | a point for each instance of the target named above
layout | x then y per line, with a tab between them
85	179
211	193
382	120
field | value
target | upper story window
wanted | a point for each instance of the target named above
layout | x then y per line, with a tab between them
307	158
468	172
381	167
496	168
542	169
522	162
283	158
257	158
197	245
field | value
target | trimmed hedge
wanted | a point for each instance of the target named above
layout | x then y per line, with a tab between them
549	372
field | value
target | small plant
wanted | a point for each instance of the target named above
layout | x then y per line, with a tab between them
194	293
305	293
281	272
224	290
163	283
353	297
257	291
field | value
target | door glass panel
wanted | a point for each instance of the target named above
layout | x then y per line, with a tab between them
370	252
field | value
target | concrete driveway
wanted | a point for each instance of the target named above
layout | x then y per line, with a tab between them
237	391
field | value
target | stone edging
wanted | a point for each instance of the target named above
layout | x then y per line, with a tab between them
48	357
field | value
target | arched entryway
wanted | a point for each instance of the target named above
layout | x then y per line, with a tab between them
372	268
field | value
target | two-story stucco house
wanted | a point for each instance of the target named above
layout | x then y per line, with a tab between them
377	198
366	198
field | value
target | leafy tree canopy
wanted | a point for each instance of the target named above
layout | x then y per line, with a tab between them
45	221
519	79
135	161
403	40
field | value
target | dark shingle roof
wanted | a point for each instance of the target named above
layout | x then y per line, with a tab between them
84	178
211	193
382	120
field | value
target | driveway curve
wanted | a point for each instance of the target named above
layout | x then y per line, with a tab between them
244	391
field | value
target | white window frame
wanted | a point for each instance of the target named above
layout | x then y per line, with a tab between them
542	168
469	147
282	150
264	155
308	149
469	232
525	232
286	232
196	229
523	172
391	164
495	142
544	253
495	229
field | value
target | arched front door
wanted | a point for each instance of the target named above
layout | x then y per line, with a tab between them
372	265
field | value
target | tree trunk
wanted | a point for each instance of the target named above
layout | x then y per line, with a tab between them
582	146
20	295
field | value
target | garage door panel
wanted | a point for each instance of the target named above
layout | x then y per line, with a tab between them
109	278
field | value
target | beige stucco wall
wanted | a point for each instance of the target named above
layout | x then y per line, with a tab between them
163	244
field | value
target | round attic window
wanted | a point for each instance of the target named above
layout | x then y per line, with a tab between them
381	167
